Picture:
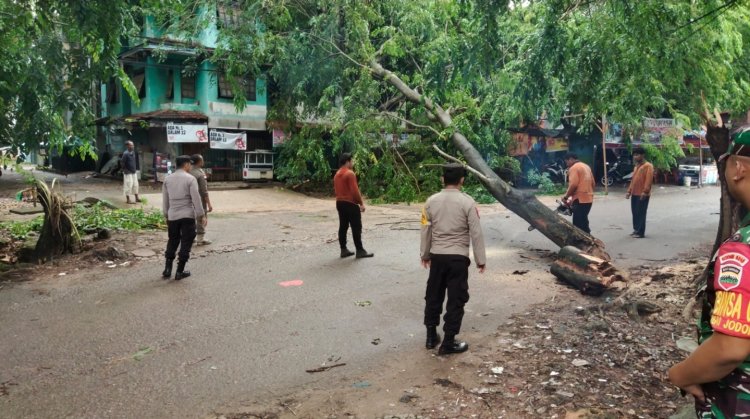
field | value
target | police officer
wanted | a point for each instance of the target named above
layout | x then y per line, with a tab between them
182	207
717	374
450	220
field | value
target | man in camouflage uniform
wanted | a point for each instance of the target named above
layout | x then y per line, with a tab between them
717	374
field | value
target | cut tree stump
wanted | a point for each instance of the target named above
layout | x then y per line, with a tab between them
589	274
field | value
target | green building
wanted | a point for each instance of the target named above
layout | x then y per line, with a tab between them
186	105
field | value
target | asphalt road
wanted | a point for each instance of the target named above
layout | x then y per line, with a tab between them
124	343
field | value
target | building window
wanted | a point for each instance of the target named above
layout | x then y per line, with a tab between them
225	88
113	92
170	84
228	16
249	89
188	86
139	80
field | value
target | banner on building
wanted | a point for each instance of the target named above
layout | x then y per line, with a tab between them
556	144
658	123
223	140
187	133
279	137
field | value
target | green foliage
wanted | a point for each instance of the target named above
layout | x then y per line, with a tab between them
666	156
92	218
54	54
98	216
479	193
544	184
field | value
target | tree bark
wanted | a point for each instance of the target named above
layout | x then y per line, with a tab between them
58	234
523	204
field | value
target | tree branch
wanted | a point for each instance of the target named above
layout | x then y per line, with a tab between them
414	124
476	172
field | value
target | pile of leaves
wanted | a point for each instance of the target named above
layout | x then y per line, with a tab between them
88	218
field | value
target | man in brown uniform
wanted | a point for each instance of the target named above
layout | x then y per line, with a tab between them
200	176
350	207
640	191
450	220
580	191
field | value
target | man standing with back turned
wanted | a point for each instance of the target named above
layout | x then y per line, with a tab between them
350	207
580	191
182	206
450	220
639	192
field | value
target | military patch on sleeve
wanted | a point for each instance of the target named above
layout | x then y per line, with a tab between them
730	314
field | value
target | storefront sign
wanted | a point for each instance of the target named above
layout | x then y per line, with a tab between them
186	133
658	123
556	144
223	140
279	137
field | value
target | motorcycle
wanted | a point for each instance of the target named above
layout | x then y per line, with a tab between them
556	171
619	172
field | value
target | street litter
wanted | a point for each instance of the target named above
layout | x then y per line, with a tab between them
497	370
363	303
293	283
325	368
141	353
361	384
580	362
376	341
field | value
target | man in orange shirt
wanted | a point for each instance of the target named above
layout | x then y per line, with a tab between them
640	191
580	191
350	207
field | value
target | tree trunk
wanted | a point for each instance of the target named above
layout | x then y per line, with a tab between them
523	204
58	235
730	212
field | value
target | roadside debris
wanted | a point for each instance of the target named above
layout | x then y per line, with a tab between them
364	303
589	274
325	368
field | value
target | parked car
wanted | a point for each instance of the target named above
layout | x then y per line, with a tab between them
691	166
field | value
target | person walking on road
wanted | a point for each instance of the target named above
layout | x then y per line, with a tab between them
717	373
450	221
580	191
200	176
350	207
639	192
129	163
182	206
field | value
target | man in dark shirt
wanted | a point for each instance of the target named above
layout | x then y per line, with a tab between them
129	173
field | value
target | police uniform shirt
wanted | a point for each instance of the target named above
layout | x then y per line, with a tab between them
450	221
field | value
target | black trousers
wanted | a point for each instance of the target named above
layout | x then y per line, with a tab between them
349	215
581	216
639	207
181	234
447	273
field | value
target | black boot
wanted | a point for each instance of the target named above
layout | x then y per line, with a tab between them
433	338
345	253
181	272
362	253
452	346
167	269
